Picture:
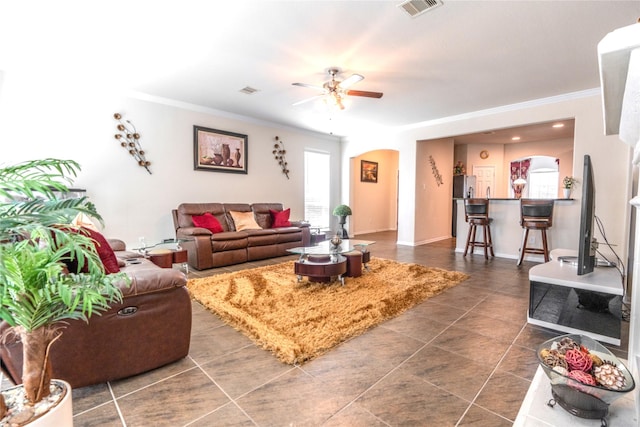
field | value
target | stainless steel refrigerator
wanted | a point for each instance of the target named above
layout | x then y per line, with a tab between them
464	186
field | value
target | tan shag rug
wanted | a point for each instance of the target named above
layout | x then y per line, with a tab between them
298	321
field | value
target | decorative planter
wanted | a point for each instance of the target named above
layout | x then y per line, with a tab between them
566	192
342	220
59	415
584	399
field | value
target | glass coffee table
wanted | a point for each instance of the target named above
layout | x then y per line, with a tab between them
323	262
166	253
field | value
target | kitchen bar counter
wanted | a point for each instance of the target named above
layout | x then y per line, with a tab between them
507	233
512	199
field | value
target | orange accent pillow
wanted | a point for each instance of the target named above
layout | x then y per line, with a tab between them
280	218
208	221
244	221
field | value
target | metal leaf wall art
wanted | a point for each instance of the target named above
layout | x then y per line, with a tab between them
436	172
130	140
279	153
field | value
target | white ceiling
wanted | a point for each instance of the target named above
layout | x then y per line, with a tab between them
461	57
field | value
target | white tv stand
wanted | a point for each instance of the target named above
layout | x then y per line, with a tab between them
561	300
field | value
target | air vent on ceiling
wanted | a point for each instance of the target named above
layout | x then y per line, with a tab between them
418	7
248	90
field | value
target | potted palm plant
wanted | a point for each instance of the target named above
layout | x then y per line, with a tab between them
38	293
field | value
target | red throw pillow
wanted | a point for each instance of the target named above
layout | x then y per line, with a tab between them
106	254
208	221
280	218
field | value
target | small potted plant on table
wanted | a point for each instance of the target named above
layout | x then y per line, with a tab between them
567	184
37	290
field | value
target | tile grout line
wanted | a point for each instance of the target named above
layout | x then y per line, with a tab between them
115	402
489	379
395	368
232	400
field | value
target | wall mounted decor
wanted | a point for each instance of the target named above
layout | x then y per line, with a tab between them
130	140
436	172
279	153
368	171
219	151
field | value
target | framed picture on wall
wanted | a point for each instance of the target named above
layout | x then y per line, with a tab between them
368	171
219	151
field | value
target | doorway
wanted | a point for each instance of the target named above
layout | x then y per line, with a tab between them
485	180
374	204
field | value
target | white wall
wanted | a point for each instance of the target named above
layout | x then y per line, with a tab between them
45	120
433	196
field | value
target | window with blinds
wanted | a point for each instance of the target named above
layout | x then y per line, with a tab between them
317	188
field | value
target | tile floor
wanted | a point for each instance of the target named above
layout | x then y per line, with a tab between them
465	357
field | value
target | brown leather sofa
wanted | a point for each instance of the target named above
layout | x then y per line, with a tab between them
208	250
150	328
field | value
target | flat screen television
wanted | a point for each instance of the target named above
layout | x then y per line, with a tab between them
586	249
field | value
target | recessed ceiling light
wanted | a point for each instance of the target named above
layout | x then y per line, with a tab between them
558	125
515	138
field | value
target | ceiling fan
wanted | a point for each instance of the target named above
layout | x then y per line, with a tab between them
335	90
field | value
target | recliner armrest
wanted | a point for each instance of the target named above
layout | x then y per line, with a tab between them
193	231
147	279
300	224
117	244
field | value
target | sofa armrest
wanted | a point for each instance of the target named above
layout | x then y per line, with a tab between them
300	224
117	244
193	231
306	231
199	249
146	279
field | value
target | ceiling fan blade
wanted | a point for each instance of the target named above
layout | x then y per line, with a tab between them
355	78
309	86
307	100
364	93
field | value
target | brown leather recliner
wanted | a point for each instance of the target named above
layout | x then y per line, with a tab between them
150	328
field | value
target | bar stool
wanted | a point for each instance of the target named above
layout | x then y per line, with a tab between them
476	213
535	214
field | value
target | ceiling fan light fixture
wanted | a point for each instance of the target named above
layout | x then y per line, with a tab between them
336	91
334	100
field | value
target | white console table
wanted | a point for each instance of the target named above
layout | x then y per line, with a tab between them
535	412
590	304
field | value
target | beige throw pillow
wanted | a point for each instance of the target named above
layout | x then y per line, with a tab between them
244	221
